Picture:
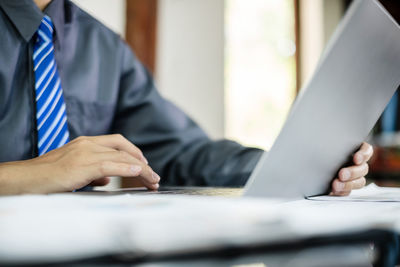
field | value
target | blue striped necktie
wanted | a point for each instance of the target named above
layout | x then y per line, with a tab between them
50	107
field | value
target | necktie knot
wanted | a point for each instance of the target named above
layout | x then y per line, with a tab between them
45	31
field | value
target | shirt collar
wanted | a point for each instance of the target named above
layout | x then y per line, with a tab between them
55	10
26	17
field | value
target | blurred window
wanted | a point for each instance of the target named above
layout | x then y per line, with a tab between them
260	69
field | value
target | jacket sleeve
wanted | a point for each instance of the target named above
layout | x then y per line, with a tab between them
174	144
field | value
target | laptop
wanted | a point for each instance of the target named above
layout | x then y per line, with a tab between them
357	75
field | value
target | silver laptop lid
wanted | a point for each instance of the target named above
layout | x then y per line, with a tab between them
356	77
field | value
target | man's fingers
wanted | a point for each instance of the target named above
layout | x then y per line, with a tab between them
363	154
117	156
151	186
344	188
353	177
117	141
340	194
106	180
353	172
110	168
147	175
340	187
113	155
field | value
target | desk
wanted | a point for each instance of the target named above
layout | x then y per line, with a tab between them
207	231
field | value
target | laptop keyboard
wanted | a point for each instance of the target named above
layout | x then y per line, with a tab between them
198	191
203	192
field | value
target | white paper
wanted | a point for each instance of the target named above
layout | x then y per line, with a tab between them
46	228
370	193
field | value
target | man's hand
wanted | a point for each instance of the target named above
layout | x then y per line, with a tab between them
353	177
83	161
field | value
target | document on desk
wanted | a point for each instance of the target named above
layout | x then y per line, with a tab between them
370	193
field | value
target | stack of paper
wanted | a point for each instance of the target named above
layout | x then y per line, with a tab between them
371	193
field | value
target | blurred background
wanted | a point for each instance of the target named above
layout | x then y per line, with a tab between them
235	66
